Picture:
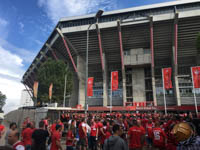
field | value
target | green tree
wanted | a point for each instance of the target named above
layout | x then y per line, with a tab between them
2	100
53	71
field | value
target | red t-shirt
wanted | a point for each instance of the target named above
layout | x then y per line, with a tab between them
149	130
69	138
94	128
53	127
55	137
158	137
80	130
1	129
27	136
135	134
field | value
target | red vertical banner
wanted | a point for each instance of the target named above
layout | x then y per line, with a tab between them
90	86
35	88
167	74
196	76
114	80
50	90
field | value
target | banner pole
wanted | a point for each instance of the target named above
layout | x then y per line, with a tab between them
111	92
164	93
195	99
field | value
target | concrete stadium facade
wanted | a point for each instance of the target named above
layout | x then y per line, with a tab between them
138	42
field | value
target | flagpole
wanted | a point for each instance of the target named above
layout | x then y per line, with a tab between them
111	92
195	99
164	93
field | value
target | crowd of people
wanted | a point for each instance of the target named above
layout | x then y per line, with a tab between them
107	131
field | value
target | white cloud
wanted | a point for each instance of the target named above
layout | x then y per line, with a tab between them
56	9
3	22
11	71
4	28
21	25
26	55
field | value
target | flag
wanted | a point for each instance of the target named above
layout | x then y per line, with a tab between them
50	90
35	88
167	72
114	80
196	76
90	86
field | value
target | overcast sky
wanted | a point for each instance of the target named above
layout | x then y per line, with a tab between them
26	24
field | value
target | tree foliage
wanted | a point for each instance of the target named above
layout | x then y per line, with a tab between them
198	41
2	100
53	71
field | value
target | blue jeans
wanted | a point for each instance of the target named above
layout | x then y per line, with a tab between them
69	148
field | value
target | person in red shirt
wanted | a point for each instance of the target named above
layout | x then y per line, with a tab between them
94	135
2	129
82	134
53	126
70	139
27	137
149	128
136	136
56	137
159	137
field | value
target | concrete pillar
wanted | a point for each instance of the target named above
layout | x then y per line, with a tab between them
152	62
81	75
138	84
175	64
124	86
105	82
122	63
104	68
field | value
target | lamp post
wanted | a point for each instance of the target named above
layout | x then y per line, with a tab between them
97	16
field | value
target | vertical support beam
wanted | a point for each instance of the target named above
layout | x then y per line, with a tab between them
28	91
104	69
68	51
152	62
122	63
175	62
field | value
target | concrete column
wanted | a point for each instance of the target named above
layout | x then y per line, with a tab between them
124	86
105	82
175	64
81	75
122	63
138	83
152	62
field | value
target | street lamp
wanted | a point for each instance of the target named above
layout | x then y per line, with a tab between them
97	16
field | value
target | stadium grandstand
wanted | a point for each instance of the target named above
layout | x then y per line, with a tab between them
137	42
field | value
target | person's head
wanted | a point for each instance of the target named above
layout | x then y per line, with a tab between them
13	137
117	129
58	127
13	126
139	122
41	124
157	124
182	131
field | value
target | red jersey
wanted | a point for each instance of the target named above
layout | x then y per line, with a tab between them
159	137
135	133
69	138
27	136
80	130
1	129
18	146
94	128
103	137
149	128
55	137
53	127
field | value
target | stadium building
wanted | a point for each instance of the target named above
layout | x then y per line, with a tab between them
137	42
